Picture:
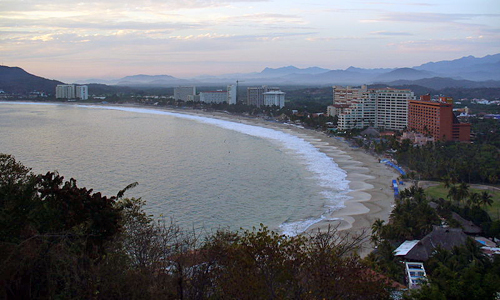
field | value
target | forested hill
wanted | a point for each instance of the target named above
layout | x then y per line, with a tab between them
17	80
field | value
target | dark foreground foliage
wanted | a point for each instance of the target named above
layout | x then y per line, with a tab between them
59	241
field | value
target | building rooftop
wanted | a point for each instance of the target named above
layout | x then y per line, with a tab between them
446	238
468	226
405	247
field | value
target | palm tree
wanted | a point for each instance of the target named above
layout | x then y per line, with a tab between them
474	200
462	191
446	181
486	199
377	227
452	193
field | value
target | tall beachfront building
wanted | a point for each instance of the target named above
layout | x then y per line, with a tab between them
231	94
355	107
255	95
361	107
182	92
65	91
436	118
392	108
82	92
274	98
70	91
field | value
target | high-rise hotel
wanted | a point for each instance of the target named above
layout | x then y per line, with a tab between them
360	107
70	91
436	118
256	95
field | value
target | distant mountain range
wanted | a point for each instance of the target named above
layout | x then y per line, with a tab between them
466	72
468	68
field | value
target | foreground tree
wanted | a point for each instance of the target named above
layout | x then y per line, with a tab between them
59	241
51	232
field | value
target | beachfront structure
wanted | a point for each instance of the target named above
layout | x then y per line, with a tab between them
82	92
182	92
436	119
65	91
219	96
361	107
70	91
274	98
213	96
231	94
255	95
392	108
355	107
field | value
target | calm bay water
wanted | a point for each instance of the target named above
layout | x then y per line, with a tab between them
204	173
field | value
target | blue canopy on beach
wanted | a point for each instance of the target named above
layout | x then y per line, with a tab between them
390	163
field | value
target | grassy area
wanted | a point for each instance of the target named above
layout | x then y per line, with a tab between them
439	191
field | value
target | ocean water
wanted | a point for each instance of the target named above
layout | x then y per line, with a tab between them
203	173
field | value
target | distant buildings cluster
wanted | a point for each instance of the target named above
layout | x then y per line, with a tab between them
397	109
257	96
71	91
188	93
265	96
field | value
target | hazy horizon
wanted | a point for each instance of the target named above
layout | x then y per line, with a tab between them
65	40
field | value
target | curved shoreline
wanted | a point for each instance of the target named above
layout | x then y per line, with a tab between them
369	181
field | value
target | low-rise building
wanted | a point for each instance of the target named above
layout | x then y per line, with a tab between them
213	96
422	250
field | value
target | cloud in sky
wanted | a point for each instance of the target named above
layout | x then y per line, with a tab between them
190	37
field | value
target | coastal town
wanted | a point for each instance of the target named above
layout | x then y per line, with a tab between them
250	150
421	218
433	212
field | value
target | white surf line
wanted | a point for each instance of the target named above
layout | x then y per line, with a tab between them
327	173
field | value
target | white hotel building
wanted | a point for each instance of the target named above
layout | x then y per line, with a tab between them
219	96
70	91
182	92
361	107
276	98
213	96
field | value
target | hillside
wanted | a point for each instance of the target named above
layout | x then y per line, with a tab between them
17	80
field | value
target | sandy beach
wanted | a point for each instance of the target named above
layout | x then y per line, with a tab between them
370	182
371	194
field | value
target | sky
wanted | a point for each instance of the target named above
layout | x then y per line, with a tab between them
68	39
